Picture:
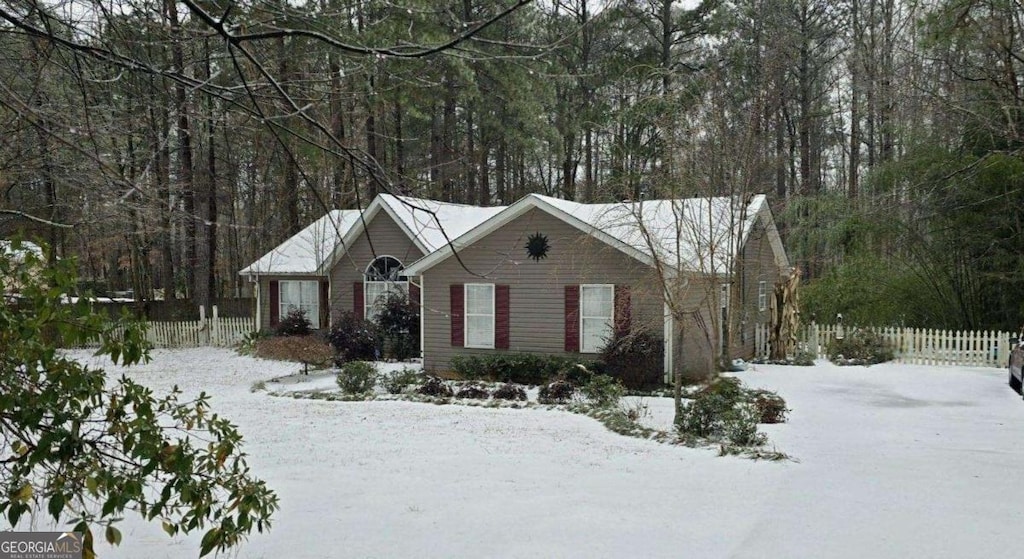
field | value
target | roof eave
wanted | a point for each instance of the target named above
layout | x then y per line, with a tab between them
482	229
247	272
510	213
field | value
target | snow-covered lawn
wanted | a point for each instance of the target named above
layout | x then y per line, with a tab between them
890	461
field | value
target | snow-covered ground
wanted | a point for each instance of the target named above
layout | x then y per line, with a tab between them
890	461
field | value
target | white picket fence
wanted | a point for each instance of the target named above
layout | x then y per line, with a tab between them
212	331
919	346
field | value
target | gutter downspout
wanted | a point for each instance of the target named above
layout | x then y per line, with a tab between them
669	346
259	325
423	317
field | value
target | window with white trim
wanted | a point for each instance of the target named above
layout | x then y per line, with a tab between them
597	314
762	295
382	279
479	315
300	295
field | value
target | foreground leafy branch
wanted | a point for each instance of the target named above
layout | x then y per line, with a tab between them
86	448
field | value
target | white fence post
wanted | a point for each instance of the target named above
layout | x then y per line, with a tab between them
917	346
215	329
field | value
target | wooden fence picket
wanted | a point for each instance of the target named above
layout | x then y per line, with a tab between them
208	331
919	346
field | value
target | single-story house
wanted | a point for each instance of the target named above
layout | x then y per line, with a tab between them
558	277
348	259
543	275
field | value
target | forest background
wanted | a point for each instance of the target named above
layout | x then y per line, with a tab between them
167	144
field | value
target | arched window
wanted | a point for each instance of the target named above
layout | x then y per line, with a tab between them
385	268
382	277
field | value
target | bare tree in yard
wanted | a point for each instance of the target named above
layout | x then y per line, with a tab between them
687	243
147	108
703	237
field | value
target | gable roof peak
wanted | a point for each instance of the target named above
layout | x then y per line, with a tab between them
700	234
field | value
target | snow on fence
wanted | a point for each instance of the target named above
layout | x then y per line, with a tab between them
212	331
918	346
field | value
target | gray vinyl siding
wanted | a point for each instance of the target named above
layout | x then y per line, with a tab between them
536	289
759	265
383	237
696	345
265	294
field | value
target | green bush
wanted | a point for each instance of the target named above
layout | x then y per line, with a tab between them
398	323
603	390
770	407
396	382
354	338
295	324
509	391
710	408
435	386
357	377
473	391
251	341
86	447
557	392
636	358
520	368
725	411
740	427
804	358
860	347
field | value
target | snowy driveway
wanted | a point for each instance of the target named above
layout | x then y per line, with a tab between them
893	461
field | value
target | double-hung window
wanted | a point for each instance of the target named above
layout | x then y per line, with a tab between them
377	293
300	295
597	315
762	295
479	315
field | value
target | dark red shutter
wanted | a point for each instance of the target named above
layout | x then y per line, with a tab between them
275	303
414	295
458	300
572	318
501	314
358	306
325	304
623	310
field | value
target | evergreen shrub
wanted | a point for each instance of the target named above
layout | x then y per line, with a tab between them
294	324
520	368
354	338
357	377
636	357
860	347
557	392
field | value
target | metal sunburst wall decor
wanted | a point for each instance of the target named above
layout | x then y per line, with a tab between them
537	246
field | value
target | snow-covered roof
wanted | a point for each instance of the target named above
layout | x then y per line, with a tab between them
699	234
308	250
433	224
429	223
